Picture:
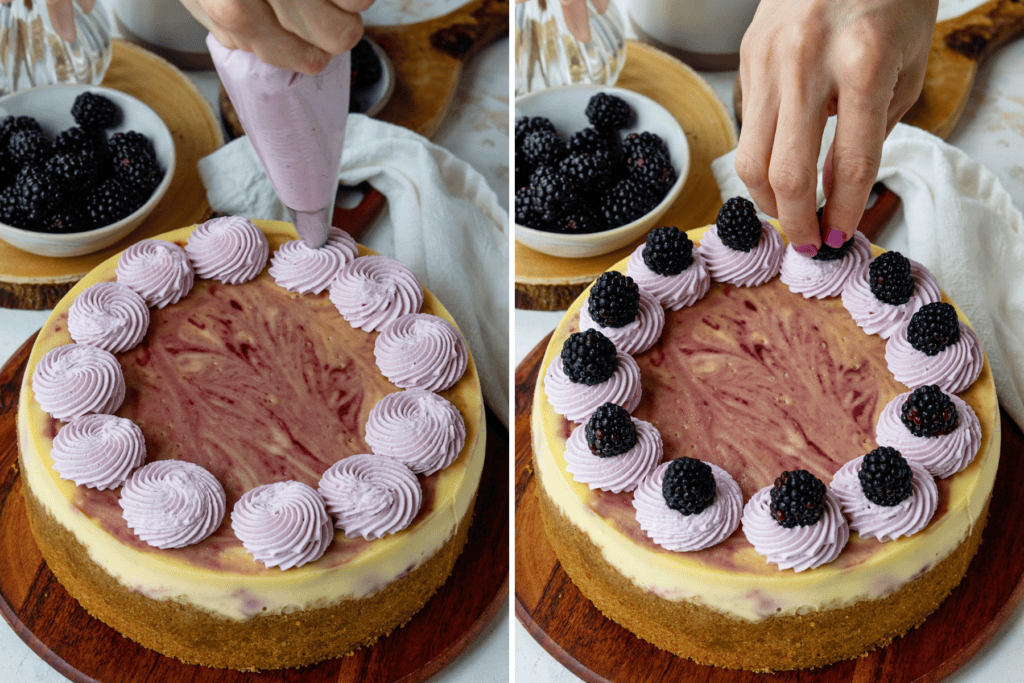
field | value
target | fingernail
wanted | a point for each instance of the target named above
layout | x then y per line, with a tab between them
835	238
808	250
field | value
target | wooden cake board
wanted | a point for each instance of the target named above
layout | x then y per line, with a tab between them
598	650
86	650
38	282
550	283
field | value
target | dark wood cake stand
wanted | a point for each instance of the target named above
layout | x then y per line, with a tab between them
598	650
86	650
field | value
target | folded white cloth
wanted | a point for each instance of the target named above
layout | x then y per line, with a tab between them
962	225
442	220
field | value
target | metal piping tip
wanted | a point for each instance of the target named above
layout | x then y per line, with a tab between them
313	226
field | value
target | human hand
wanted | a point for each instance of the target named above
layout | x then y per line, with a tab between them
576	17
298	35
62	15
803	61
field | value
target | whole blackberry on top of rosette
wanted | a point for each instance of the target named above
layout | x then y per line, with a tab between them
934	347
629	316
738	225
668	266
588	373
740	249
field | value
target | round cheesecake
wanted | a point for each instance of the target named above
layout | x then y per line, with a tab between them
757	381
257	385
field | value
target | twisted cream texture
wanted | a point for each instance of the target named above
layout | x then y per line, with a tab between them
283	525
373	291
420	429
110	316
878	317
672	291
878	521
229	249
577	402
954	368
637	336
821	279
159	271
77	379
943	455
172	503
798	548
299	268
421	351
743	268
98	451
371	495
615	473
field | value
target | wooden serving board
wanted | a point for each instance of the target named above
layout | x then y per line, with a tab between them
428	58
38	282
86	650
549	283
598	650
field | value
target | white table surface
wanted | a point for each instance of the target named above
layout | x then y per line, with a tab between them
476	130
991	131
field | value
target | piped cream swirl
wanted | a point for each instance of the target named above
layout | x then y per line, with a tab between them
577	402
954	368
672	291
637	336
77	379
229	249
421	351
878	521
283	525
172	503
798	548
942	455
743	268
422	430
373	291
878	317
98	451
299	268
681	533
820	279
110	316
615	473
159	271
371	495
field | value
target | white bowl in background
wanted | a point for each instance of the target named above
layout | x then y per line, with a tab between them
51	106
566	107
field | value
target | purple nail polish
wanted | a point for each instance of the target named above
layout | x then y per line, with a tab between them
835	238
808	250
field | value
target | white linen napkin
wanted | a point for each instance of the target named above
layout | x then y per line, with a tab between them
959	222
441	219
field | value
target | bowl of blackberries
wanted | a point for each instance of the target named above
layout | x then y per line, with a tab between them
80	167
596	167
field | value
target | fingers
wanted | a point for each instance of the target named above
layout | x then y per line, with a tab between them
333	26
601	6
577	19
62	16
753	152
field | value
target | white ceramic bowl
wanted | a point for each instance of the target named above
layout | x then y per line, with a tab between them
565	107
51	106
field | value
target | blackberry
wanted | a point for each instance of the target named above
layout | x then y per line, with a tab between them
589	173
366	68
890	279
525	214
626	201
885	477
933	328
76	170
610	431
544	148
110	202
589	358
531	124
12	124
29	147
798	499
552	194
9	211
614	300
827	253
65	219
523	172
38	194
579	221
95	112
588	141
651	168
669	251
645	140
134	162
738	224
689	486
929	412
608	112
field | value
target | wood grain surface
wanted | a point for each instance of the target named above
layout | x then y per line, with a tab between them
598	650
84	649
38	282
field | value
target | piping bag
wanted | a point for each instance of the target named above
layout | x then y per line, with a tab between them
296	124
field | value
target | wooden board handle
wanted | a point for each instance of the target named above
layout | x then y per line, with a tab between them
470	27
976	34
880	213
355	221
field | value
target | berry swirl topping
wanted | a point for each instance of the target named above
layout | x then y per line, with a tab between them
109	316
681	533
421	351
820	279
743	268
616	473
299	268
229	249
98	451
423	431
371	495
373	291
878	317
800	547
953	369
172	503
672	291
283	525
637	336
159	271
942	455
577	402
77	379
879	521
